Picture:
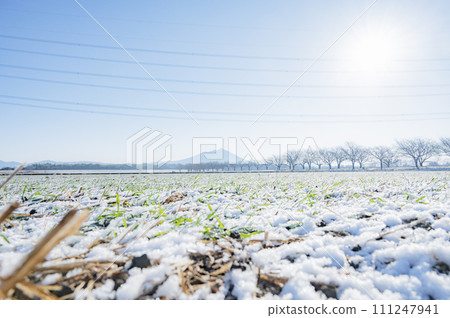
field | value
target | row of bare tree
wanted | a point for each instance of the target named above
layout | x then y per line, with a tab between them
418	150
355	154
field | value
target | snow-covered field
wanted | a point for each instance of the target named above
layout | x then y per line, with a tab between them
237	236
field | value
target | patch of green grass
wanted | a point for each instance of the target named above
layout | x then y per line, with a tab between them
294	225
420	200
181	221
214	232
4	237
160	234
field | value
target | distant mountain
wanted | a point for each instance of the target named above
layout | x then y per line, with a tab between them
60	165
9	164
221	155
43	162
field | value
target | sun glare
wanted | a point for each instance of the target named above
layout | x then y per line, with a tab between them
373	52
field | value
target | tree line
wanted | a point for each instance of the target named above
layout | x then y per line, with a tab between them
417	150
75	166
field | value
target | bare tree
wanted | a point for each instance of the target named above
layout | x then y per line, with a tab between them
309	158
278	161
327	157
302	162
420	150
292	157
380	153
253	164
363	156
445	146
391	158
385	155
339	156
352	152
317	158
268	162
238	166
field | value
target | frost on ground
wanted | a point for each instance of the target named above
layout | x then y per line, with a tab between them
236	236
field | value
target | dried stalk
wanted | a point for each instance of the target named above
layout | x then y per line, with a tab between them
69	266
15	216
32	290
128	231
12	175
150	227
10	209
70	223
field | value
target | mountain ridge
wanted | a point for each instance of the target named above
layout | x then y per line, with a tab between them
218	156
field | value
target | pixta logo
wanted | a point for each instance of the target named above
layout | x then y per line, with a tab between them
148	149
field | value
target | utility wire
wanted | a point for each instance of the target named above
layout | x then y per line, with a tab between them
205	67
316	60
142	78
98	46
222	119
209	43
239	114
181	92
135	60
201	54
200	25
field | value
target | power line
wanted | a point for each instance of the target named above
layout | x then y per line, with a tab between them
165	39
91	111
222	119
214	82
200	25
201	54
316	60
240	114
203	67
142	67
108	47
147	63
220	94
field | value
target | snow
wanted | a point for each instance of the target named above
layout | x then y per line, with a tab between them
244	283
330	229
105	291
299	287
443	223
169	289
74	272
100	253
142	280
51	279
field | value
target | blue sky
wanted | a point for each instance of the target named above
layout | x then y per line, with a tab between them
387	78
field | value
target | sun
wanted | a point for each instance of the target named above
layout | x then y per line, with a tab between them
373	51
